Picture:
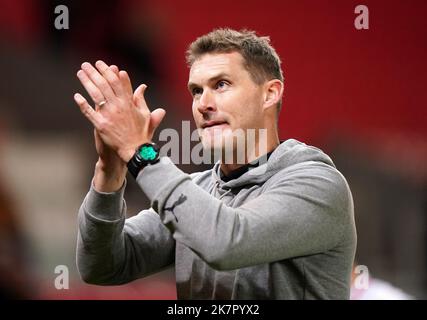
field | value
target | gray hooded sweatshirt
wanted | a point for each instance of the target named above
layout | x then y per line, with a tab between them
283	230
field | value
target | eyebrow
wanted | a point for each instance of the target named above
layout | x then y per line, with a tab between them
192	85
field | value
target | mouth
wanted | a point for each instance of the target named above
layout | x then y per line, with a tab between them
212	123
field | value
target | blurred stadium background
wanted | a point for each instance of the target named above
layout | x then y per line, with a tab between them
359	95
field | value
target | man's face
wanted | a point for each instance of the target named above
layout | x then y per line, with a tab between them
225	98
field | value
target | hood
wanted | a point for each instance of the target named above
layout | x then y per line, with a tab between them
288	153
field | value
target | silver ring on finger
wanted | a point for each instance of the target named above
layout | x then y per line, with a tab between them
102	103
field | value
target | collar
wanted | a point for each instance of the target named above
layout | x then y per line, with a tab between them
243	169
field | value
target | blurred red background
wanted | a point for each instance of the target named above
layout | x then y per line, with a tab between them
359	94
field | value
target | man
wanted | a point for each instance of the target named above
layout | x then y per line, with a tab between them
278	229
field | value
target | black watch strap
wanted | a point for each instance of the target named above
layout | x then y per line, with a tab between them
134	167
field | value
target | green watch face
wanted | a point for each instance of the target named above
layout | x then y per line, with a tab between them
148	152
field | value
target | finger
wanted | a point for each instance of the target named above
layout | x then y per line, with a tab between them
155	119
99	81
91	88
87	110
111	78
126	83
138	96
115	69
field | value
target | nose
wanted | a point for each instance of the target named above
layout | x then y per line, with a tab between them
206	102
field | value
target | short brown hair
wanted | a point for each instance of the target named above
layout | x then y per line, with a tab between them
261	60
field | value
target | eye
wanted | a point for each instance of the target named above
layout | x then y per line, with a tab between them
196	91
221	84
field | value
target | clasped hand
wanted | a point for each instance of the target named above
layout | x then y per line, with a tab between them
121	117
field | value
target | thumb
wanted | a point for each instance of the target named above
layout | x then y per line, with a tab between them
138	97
155	119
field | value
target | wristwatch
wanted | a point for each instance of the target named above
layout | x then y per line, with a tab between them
145	154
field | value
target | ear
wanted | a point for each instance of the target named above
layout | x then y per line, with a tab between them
273	91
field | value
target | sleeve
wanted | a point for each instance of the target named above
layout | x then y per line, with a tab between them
304	213
113	250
